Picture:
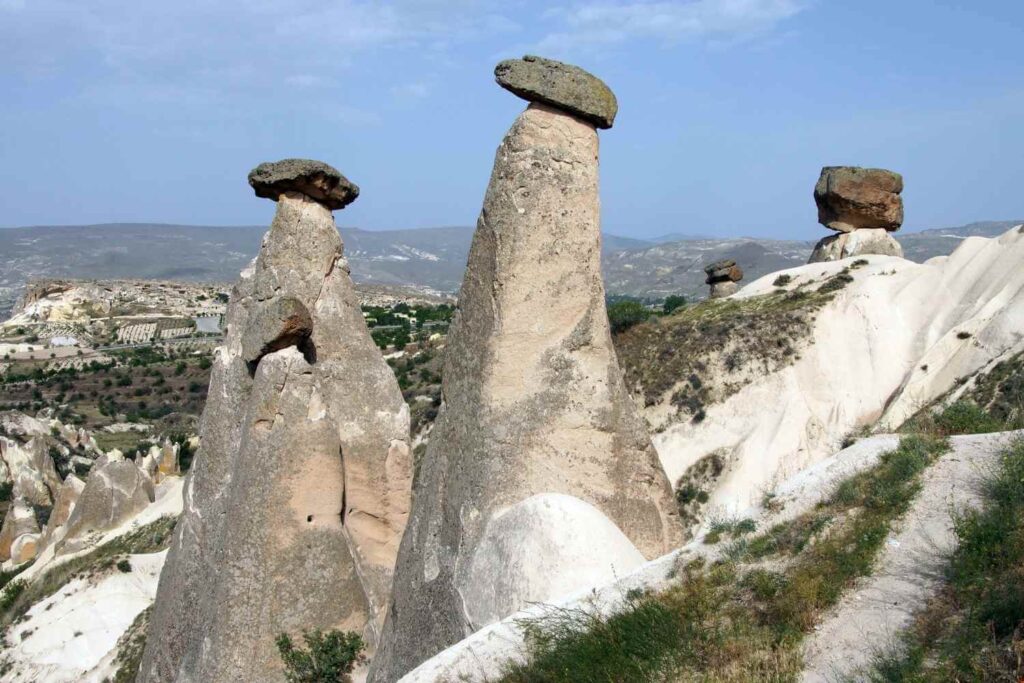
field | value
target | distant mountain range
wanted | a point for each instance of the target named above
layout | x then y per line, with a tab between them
431	258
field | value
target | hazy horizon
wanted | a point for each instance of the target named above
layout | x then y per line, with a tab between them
469	226
728	108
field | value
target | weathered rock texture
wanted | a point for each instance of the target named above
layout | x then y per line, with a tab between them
564	86
849	197
30	469
314	179
723	276
857	243
863	205
19	521
113	493
535	411
299	494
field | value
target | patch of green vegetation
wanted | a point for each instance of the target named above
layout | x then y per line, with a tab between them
151	538
130	647
126	442
731	528
12	591
623	315
672	303
729	621
329	656
1000	391
782	280
971	631
692	487
704	353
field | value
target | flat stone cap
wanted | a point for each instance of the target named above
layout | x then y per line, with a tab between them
315	179
564	86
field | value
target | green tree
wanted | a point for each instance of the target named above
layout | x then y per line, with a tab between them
625	314
673	302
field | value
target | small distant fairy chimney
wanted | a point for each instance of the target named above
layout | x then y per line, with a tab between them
723	276
863	205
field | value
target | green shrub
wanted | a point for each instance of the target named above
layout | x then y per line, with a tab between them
124	565
782	280
11	593
328	658
965	417
625	314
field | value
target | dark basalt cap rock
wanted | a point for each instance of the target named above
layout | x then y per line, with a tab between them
315	179
560	85
725	270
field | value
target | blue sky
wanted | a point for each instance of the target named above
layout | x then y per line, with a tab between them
155	111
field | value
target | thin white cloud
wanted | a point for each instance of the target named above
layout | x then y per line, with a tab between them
411	91
610	23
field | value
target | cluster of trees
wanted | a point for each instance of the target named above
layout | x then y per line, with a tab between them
400	324
624	312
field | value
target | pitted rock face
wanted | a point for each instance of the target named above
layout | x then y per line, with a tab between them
299	493
315	179
722	288
276	324
849	198
857	243
535	404
565	86
723	271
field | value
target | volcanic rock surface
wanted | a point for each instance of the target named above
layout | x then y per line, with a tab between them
538	444
299	494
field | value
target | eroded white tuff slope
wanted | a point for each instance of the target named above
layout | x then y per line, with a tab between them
539	477
896	338
299	495
910	568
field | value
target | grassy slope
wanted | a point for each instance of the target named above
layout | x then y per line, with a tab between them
744	617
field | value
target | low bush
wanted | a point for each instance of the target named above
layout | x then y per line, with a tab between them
329	656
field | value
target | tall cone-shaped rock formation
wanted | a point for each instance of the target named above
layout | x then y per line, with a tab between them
539	477
300	491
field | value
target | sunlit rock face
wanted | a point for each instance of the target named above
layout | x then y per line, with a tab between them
300	491
537	444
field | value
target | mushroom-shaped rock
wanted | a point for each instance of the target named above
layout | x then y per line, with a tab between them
315	179
850	197
276	324
113	493
20	520
723	276
723	271
299	493
560	85
535	405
